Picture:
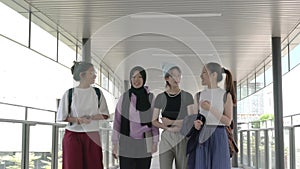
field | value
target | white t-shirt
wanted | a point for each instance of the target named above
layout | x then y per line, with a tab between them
215	97
84	102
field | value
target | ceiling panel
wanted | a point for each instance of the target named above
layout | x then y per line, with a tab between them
241	35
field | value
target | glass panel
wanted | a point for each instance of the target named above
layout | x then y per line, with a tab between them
297	147
39	92
285	60
269	73
111	84
260	79
238	92
268	100
252	149
10	145
239	143
116	92
41	116
15	26
290	82
41	40
40	150
245	154
286	149
66	51
12	112
79	54
271	149
97	68
296	120
61	133
295	52
261	150
251	84
244	89
104	78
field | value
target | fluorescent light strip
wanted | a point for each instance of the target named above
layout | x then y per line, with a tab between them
173	16
181	55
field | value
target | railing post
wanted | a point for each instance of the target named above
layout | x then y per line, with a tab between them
25	146
266	148
248	148
292	147
54	162
257	140
241	148
107	149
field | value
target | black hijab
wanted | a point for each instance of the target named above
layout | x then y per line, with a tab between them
143	104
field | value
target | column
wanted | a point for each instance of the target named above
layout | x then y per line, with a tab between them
277	93
86	50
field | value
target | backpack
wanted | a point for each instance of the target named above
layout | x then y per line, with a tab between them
70	93
233	148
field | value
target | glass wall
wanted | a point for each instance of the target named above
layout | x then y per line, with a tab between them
35	61
260	106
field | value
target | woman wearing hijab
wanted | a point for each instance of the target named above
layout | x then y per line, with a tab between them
134	137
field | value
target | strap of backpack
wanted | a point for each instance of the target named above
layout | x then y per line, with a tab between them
70	93
98	95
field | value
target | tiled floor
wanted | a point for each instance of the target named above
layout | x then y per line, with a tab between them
155	162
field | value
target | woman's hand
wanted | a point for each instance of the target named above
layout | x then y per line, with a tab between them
115	151
84	120
154	148
205	104
198	124
166	121
174	129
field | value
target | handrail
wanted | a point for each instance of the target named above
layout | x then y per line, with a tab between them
32	122
35	108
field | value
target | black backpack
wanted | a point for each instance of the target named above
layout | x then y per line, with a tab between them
70	93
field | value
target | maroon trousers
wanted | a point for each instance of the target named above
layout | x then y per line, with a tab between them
82	150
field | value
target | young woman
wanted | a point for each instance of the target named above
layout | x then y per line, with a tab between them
81	142
174	104
134	137
216	105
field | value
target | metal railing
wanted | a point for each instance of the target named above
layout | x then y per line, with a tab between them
257	143
26	126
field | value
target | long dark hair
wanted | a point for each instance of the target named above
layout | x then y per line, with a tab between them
229	85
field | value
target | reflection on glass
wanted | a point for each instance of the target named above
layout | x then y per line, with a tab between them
294	53
271	144
42	41
297	147
261	150
245	154
10	145
40	149
286	137
14	25
252	149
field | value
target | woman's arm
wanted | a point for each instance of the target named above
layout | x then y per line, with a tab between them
155	121
226	116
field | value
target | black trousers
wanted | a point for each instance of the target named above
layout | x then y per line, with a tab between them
135	163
